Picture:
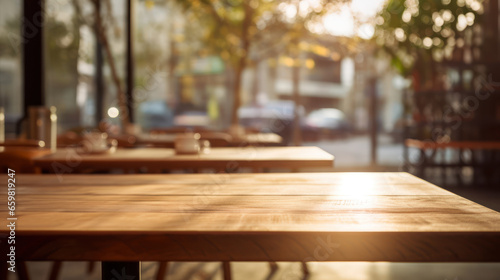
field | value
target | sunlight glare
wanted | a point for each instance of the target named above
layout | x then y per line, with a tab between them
358	185
356	18
340	23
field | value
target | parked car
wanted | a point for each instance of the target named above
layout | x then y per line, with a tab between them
274	116
192	119
325	123
154	114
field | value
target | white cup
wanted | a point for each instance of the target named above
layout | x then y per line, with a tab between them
187	143
95	141
237	131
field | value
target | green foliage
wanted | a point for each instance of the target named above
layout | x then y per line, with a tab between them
419	33
234	29
10	39
61	46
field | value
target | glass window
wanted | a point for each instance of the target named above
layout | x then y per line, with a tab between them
68	47
11	97
114	20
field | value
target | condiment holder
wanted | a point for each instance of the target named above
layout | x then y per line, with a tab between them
97	143
237	132
187	143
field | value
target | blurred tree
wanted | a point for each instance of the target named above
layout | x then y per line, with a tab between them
243	30
107	28
62	54
105	25
418	34
10	38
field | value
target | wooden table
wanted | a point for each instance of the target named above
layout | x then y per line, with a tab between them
22	143
222	159
393	217
20	158
250	139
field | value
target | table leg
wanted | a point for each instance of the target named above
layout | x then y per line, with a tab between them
305	269
162	270
90	267
226	270
273	267
22	271
55	270
3	269
121	271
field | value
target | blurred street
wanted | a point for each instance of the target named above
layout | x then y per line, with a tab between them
355	151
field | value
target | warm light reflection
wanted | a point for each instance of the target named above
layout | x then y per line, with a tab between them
362	14
358	185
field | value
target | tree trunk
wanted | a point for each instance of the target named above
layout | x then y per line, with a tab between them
373	120
171	64
237	92
122	101
129	60
77	23
297	139
245	45
255	83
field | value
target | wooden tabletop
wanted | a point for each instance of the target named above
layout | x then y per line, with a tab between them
20	158
247	217
472	145
217	158
250	139
262	139
22	143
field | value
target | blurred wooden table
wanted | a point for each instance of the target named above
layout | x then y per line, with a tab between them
157	159
22	143
19	153
262	139
392	217
216	138
20	158
167	140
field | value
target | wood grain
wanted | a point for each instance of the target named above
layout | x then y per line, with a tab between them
248	217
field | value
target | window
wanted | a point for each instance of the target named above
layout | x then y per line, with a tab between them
10	63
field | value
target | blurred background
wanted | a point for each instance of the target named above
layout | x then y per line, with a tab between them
355	78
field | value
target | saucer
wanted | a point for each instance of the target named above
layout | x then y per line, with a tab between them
109	149
187	151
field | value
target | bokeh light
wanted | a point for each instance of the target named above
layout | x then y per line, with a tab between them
113	112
